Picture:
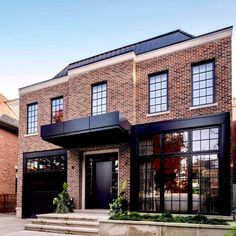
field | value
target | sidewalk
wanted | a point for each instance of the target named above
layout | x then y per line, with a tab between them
9	223
12	226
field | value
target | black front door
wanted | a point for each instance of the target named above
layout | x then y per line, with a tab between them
103	183
101	180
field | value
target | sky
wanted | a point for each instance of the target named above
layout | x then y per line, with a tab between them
38	38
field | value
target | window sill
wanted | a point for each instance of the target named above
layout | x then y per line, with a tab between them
204	106
29	135
158	113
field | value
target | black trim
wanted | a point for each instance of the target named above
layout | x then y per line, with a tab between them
52	99
167	88
93	130
212	60
26	175
222	120
92	86
27	108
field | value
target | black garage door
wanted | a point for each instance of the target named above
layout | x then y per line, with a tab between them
44	175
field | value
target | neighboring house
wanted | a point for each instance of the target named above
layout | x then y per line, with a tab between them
234	150
8	145
155	113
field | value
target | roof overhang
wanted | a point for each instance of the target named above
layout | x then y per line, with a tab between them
103	129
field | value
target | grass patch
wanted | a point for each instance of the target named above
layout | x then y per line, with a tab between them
167	217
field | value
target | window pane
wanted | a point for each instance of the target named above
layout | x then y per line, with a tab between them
32	165
44	164
176	184
202	89
205	182
57	109
158	93
99	99
176	142
32	118
205	139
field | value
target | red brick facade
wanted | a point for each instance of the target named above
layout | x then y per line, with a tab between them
8	161
127	86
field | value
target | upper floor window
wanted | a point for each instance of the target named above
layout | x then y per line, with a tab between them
158	93
99	99
57	109
32	118
203	84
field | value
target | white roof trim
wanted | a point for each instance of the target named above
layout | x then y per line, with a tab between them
210	37
186	44
103	63
42	85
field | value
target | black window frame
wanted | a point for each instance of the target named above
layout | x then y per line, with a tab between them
213	81
92	97
53	99
33	127
167	91
220	119
162	155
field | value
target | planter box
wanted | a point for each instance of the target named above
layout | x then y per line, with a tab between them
144	228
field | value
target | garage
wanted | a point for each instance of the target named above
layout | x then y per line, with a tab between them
44	175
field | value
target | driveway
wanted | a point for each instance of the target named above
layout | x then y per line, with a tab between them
12	226
9	223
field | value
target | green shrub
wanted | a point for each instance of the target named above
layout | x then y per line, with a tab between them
64	203
232	233
167	217
119	206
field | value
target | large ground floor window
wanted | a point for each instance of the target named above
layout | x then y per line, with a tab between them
179	171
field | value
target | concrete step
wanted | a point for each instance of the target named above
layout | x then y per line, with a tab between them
69	217
70	223
92	211
63	229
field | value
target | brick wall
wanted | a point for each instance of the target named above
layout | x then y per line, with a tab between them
127	85
8	161
178	65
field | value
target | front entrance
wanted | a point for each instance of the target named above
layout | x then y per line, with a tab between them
101	180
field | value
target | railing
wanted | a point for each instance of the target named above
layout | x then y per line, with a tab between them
7	202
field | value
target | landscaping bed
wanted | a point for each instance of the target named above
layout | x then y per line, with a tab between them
134	224
167	217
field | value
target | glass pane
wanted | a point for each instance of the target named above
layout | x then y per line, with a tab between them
176	142
44	164
32	165
149	187
175	184
205	177
58	162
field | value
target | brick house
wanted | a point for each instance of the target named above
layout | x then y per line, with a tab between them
155	113
234	149
8	146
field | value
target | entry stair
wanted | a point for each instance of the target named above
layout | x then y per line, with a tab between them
73	223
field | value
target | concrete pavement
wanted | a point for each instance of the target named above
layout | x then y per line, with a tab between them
12	226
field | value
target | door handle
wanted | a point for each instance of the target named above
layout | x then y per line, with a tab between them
111	189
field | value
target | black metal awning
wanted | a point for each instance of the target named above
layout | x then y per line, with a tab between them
102	129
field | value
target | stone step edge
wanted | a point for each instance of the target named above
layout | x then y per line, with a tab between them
67	222
72	217
61	229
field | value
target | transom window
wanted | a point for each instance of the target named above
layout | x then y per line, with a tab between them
32	118
203	84
99	99
57	109
49	163
158	93
205	139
